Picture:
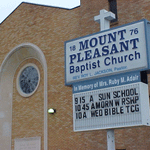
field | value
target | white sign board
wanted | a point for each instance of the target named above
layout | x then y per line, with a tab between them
33	143
115	107
117	50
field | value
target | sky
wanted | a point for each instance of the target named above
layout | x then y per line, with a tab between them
7	6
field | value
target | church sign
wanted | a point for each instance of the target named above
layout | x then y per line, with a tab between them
106	82
114	107
113	51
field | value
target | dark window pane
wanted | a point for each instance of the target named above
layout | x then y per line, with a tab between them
113	8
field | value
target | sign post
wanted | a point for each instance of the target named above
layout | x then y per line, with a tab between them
104	19
110	140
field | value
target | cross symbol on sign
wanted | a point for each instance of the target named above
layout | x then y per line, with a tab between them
104	19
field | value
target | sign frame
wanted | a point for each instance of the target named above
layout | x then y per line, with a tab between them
142	117
147	48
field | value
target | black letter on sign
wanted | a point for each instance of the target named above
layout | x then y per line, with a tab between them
91	98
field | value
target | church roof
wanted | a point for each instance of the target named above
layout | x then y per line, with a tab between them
38	5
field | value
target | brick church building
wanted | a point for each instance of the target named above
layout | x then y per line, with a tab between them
32	38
